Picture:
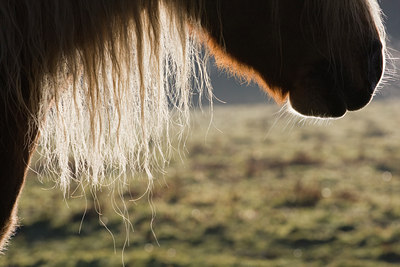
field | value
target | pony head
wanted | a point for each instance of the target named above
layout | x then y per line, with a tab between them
324	57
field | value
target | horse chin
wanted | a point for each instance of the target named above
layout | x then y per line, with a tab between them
314	94
317	104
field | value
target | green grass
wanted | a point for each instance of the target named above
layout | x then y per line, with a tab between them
249	192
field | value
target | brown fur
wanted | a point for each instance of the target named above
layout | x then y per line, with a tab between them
241	70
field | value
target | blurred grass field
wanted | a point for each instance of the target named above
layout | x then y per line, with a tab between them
248	192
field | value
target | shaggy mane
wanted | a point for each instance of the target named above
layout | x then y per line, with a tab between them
106	80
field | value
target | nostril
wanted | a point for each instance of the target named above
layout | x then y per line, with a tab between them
376	46
375	63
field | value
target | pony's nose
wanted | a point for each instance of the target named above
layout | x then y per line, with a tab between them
375	64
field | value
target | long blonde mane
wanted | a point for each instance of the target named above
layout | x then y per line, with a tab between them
108	80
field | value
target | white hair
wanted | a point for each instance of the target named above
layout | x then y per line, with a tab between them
106	106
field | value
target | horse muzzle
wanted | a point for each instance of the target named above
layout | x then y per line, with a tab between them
320	91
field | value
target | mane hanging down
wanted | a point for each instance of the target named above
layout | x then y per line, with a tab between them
109	101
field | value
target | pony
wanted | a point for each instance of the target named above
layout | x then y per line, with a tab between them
101	83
